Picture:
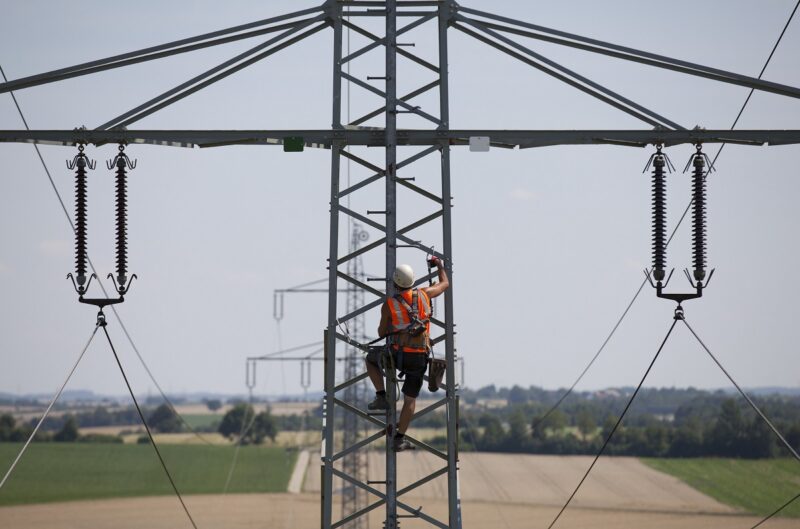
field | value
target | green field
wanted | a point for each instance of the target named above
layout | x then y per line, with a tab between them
203	420
72	471
756	486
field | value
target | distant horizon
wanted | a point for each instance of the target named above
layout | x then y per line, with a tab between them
75	394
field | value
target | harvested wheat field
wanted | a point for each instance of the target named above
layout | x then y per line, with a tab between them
286	511
498	490
623	483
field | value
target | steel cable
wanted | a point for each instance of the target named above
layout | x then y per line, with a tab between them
49	407
776	511
147	428
94	270
678	225
743	394
759	412
244	430
616	425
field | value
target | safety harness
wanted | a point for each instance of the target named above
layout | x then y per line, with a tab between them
416	326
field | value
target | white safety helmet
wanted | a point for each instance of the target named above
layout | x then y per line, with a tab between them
403	276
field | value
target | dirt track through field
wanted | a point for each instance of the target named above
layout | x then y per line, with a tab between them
617	483
301	511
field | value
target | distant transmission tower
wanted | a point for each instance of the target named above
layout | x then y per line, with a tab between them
354	498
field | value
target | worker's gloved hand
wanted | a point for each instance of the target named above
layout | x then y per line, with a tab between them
435	261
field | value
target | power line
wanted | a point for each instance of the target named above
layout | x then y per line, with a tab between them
49	407
758	411
776	511
585	369
616	425
674	231
743	394
146	427
100	282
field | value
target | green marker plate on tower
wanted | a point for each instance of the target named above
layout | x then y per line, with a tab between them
293	144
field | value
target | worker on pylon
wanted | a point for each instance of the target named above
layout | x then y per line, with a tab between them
405	322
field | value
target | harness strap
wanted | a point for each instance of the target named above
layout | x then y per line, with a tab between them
413	309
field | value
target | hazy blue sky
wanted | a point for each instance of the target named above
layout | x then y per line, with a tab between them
549	243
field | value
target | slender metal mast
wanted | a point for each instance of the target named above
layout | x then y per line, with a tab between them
353	428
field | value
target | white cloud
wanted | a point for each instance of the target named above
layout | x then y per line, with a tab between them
524	195
55	248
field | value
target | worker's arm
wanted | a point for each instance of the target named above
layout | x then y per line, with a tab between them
383	327
443	284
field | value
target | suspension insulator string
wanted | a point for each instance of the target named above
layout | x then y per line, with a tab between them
122	283
699	215
661	165
659	203
122	162
81	163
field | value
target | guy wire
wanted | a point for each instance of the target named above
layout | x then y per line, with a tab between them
147	428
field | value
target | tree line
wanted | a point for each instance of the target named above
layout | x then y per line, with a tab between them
240	423
662	423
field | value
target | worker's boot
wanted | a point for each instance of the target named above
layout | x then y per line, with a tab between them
380	403
402	444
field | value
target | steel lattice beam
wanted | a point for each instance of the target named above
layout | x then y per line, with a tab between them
376	138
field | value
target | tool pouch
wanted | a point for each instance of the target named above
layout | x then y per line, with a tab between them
436	369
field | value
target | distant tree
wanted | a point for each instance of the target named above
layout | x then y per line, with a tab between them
608	425
100	417
487	392
7	426
255	428
214	404
793	436
727	435
517	395
759	440
517	431
69	432
687	440
554	423
164	420
585	423
493	434
657	438
233	422
264	426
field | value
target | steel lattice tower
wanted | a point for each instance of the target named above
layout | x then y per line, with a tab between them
355	463
392	173
400	145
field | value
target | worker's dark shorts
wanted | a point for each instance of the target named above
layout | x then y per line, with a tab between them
414	366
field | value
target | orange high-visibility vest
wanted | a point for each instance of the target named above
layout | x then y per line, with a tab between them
401	319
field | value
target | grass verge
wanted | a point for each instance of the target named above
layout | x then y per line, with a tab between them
74	471
756	486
